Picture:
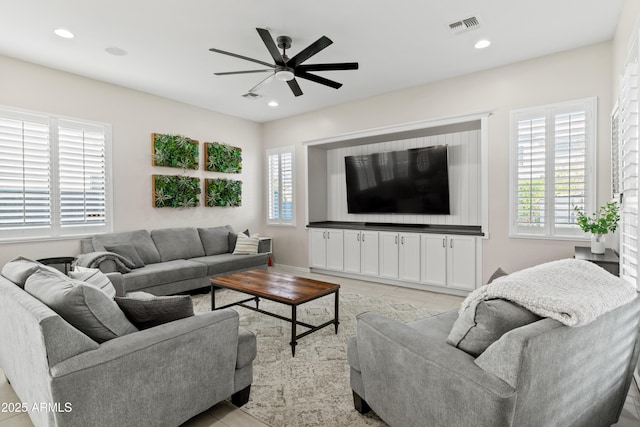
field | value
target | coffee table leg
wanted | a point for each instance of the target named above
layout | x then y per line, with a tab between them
257	301
213	298
336	322
293	330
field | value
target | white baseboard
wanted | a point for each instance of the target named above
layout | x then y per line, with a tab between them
293	268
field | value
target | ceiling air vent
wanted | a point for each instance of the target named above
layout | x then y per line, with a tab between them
252	95
463	25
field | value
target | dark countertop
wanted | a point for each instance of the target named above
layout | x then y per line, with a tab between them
466	230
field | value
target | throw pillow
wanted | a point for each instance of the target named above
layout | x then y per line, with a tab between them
496	275
83	306
127	251
146	310
19	269
484	322
233	238
246	245
95	277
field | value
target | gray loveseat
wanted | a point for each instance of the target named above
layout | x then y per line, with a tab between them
160	376
541	374
175	259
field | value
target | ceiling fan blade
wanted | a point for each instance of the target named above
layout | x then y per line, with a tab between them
329	67
309	51
226	73
262	83
271	46
318	79
235	55
295	88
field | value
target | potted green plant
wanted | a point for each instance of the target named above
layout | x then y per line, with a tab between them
599	224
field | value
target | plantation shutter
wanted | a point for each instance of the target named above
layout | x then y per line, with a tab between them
628	137
82	172
280	187
552	164
570	165
25	175
531	174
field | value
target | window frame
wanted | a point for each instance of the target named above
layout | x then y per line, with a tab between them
279	151
56	231
550	230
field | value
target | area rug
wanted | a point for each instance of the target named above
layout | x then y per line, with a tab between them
312	388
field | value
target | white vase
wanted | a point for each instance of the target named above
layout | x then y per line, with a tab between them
598	243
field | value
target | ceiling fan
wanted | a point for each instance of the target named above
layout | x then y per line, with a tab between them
287	69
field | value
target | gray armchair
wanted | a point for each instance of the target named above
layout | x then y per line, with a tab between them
542	374
160	376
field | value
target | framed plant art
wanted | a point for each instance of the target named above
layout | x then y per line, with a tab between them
222	158
175	151
223	192
174	191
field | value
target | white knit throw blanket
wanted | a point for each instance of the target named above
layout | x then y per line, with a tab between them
574	292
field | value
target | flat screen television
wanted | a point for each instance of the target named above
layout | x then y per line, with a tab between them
414	181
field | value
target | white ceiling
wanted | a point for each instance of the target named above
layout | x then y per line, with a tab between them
398	44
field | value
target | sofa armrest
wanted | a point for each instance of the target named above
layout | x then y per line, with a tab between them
152	374
410	380
118	282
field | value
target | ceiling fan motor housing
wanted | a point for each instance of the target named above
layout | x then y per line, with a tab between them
284	42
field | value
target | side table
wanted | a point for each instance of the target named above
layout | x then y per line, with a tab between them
67	261
608	260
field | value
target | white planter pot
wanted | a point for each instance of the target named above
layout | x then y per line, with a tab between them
598	243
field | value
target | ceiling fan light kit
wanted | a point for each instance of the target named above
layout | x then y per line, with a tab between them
287	69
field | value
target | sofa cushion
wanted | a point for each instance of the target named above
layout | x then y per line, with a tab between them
162	273
484	322
246	245
215	240
19	269
140	239
177	243
95	277
83	306
128	251
223	263
146	310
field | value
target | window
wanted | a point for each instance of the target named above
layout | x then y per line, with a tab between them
552	168
280	188
54	176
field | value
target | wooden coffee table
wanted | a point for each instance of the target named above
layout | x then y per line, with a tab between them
282	288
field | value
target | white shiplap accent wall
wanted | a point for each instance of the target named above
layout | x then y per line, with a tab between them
464	180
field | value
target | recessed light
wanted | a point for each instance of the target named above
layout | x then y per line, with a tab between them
273	104
482	44
116	51
64	33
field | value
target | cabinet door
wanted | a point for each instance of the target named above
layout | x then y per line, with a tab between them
409	257
462	262
388	255
352	244
335	250
369	253
434	259
318	248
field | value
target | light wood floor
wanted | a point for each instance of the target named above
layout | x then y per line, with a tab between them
226	415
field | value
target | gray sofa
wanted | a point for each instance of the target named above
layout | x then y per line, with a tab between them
160	376
175	259
541	374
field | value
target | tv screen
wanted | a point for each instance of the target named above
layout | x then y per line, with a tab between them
414	181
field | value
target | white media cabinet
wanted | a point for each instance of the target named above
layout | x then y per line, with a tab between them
449	263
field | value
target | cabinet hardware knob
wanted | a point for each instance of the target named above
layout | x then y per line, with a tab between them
451	243
444	245
396	240
358	237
